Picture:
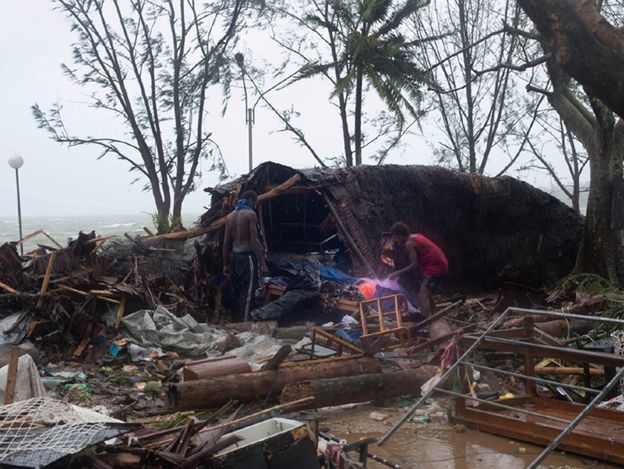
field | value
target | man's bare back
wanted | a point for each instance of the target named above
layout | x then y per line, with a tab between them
242	227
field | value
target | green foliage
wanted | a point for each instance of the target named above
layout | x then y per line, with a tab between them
376	48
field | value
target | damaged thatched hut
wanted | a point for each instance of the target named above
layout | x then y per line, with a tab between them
493	230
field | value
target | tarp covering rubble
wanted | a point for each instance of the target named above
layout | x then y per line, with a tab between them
161	328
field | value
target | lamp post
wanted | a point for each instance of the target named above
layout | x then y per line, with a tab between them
16	162
250	116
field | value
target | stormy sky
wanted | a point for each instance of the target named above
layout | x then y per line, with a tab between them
56	180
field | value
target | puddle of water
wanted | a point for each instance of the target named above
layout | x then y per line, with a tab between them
440	445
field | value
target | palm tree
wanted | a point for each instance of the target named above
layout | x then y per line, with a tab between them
374	50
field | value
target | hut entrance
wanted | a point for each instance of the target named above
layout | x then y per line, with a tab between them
299	223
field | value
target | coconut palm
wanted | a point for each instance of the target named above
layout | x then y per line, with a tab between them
375	50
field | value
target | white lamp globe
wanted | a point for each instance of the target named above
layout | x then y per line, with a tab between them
16	162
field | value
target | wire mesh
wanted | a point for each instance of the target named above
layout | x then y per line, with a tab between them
36	431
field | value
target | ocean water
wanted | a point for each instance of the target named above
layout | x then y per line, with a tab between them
66	227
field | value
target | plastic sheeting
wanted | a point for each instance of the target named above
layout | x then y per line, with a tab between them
304	286
161	328
28	383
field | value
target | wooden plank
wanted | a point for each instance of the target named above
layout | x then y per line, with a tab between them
84	293
9	393
120	312
83	344
594	439
8	288
46	278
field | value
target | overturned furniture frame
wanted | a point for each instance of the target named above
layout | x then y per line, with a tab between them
576	428
376	305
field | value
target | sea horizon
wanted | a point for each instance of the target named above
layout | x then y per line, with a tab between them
64	228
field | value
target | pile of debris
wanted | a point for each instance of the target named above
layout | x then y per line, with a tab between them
70	296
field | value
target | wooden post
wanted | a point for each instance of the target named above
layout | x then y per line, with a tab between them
9	394
120	312
380	314
46	278
529	360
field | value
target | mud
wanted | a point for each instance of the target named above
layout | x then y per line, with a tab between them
439	444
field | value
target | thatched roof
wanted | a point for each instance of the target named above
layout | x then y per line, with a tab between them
492	229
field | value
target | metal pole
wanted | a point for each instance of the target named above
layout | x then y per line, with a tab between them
19	210
445	376
557	441
539	312
250	123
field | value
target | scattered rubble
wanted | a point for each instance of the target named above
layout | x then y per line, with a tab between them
136	329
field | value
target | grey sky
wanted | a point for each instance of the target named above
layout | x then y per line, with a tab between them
59	181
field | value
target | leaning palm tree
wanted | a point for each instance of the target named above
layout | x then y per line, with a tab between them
374	50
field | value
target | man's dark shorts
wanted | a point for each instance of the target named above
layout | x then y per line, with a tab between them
431	283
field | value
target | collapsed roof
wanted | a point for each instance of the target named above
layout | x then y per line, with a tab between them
493	230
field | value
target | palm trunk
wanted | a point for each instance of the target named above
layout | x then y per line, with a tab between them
358	114
346	135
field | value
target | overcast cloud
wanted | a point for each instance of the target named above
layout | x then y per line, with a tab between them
59	181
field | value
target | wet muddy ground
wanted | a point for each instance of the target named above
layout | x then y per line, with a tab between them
438	444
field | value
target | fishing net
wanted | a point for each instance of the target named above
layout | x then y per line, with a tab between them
36	432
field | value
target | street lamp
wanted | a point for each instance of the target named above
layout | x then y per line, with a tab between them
250	118
16	162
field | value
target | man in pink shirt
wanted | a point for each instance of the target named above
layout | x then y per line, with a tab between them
425	255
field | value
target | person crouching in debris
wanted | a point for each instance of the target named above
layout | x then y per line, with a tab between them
425	255
242	252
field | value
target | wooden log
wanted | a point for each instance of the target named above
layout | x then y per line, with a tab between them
360	388
208	393
222	366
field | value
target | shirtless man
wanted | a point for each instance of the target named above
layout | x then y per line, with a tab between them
425	255
242	253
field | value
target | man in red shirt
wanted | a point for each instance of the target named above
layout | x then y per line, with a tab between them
425	255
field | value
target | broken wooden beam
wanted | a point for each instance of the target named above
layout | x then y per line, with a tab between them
277	359
46	278
360	388
208	393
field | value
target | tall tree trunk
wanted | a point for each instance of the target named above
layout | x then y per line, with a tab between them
346	135
600	245
176	215
358	114
162	217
